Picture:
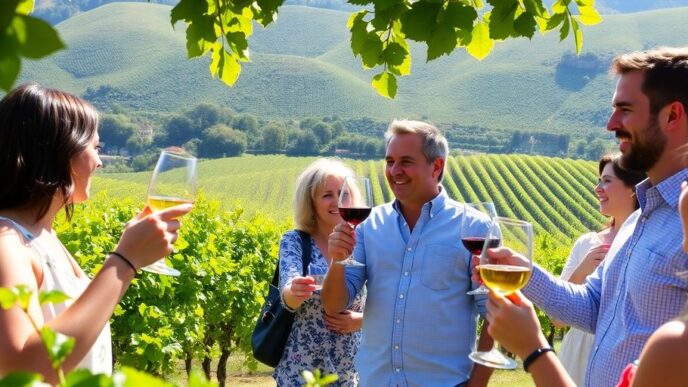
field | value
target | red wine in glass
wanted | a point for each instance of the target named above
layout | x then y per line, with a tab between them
354	215
475	244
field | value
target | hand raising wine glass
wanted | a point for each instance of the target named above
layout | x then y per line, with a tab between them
505	277
473	240
173	182
355	203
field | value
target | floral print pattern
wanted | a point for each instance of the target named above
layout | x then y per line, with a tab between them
310	344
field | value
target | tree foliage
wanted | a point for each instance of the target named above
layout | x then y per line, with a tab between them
380	31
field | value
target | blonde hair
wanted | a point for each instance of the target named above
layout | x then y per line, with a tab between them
434	143
307	184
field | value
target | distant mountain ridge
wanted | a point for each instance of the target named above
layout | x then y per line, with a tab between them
127	54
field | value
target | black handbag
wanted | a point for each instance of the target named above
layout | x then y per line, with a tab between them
274	323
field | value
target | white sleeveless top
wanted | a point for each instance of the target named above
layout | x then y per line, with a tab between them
58	274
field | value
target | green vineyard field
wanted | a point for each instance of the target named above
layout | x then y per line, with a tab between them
555	194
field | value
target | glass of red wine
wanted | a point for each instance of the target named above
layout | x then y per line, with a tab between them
473	240
355	203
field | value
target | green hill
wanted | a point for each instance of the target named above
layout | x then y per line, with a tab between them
302	66
555	194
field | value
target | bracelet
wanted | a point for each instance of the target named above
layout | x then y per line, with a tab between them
534	355
131	265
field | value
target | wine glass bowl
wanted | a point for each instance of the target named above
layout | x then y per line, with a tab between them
505	276
474	241
355	204
173	183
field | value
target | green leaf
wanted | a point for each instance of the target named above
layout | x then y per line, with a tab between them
503	18
398	58
197	379
564	31
53	296
21	379
200	36
560	6
577	35
227	67
535	7
420	20
8	10
7	297
84	378
386	84
481	44
359	2
460	16
25	7
583	3
381	5
23	296
371	53
525	25
308	376
554	21
59	346
359	32
442	41
589	15
239	44
36	38
129	377
188	10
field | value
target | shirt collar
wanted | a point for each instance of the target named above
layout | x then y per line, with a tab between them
669	189
435	204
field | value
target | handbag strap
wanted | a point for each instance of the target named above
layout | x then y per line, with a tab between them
305	257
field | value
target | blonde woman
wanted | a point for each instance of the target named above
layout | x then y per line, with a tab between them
317	340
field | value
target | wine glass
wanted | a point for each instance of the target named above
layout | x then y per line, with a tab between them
355	203
473	238
173	182
503	276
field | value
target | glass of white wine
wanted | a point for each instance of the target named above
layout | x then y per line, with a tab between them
505	277
173	182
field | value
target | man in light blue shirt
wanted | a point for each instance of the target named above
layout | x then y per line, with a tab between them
641	283
419	325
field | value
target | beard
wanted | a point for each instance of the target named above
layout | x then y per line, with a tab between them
647	148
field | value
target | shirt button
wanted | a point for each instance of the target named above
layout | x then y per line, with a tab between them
398	321
396	346
398	369
401	295
406	273
409	249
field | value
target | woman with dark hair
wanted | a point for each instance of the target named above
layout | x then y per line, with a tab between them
48	152
616	193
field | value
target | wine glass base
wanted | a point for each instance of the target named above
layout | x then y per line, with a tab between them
160	267
351	263
493	359
478	291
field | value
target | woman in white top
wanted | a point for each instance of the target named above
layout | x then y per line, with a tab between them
616	193
48	153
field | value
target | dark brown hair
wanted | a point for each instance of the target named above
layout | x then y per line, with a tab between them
41	130
630	178
666	74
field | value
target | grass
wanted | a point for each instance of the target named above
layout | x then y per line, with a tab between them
240	375
132	48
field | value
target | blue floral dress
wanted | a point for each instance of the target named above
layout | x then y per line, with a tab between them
310	344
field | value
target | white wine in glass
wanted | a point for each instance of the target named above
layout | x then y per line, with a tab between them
173	183
473	241
355	204
505	277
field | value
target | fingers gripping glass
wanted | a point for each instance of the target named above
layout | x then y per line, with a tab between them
173	182
505	275
355	203
474	240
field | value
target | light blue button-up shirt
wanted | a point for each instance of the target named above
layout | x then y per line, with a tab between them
640	285
419	325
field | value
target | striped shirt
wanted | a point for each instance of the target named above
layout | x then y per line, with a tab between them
640	285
